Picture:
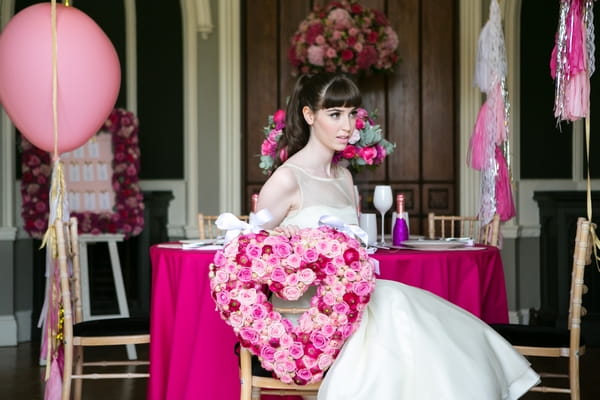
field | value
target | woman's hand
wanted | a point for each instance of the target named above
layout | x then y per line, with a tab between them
288	230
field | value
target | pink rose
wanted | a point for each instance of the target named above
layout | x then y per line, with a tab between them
304	374
362	288
248	296
310	255
368	154
341	308
267	353
276	329
315	55
278	274
324	361
282	250
267	148
221	276
296	350
223	298
245	274
306	276
318	340
253	251
294	260
349	152
328	330
292	293
279	119
249	334
258	311
347	55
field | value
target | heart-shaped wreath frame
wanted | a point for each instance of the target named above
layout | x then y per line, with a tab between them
252	265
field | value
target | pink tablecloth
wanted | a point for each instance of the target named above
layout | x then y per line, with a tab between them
191	350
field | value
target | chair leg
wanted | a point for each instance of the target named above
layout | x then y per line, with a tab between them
574	377
67	372
78	371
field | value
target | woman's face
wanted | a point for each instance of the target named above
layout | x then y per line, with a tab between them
332	126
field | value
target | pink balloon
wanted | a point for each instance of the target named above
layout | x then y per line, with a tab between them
88	69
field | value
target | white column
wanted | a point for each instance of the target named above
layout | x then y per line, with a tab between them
229	106
190	112
470	102
131	55
7	150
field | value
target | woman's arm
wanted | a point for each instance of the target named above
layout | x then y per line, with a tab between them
279	195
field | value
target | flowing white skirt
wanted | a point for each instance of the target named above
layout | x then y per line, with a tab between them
412	344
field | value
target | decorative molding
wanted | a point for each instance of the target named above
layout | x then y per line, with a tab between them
8	233
519	317
510	231
229	106
23	319
8	330
533	231
204	23
470	102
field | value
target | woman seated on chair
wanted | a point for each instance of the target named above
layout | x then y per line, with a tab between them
410	344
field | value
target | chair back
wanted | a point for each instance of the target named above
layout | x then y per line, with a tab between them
445	226
207	229
581	258
99	332
253	385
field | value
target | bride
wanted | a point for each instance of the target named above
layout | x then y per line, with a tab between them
410	344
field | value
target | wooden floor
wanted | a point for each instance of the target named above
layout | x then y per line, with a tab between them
21	376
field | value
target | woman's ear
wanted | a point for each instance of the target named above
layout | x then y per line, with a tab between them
309	116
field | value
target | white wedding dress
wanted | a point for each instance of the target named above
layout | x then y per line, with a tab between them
411	344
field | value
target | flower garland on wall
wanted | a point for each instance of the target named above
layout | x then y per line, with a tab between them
344	36
287	266
127	217
367	147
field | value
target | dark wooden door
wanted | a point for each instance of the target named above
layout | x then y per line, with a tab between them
415	103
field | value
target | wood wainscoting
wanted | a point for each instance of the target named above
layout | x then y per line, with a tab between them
415	104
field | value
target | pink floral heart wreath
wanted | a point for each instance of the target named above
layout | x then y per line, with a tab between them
323	257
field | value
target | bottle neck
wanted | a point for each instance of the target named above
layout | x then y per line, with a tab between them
400	205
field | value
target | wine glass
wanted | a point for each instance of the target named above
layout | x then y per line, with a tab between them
383	200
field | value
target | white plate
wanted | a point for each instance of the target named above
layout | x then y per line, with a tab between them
432	244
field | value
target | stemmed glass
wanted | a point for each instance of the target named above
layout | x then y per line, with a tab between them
383	200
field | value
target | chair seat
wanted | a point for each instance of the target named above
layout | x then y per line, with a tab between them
538	336
113	327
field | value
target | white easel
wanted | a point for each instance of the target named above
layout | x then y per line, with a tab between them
111	240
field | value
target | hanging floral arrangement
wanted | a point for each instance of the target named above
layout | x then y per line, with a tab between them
344	36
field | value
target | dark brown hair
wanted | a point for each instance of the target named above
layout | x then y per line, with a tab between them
317	91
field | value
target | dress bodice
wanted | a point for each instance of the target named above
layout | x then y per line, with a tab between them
321	196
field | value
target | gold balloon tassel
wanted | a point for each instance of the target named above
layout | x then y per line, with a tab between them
57	199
